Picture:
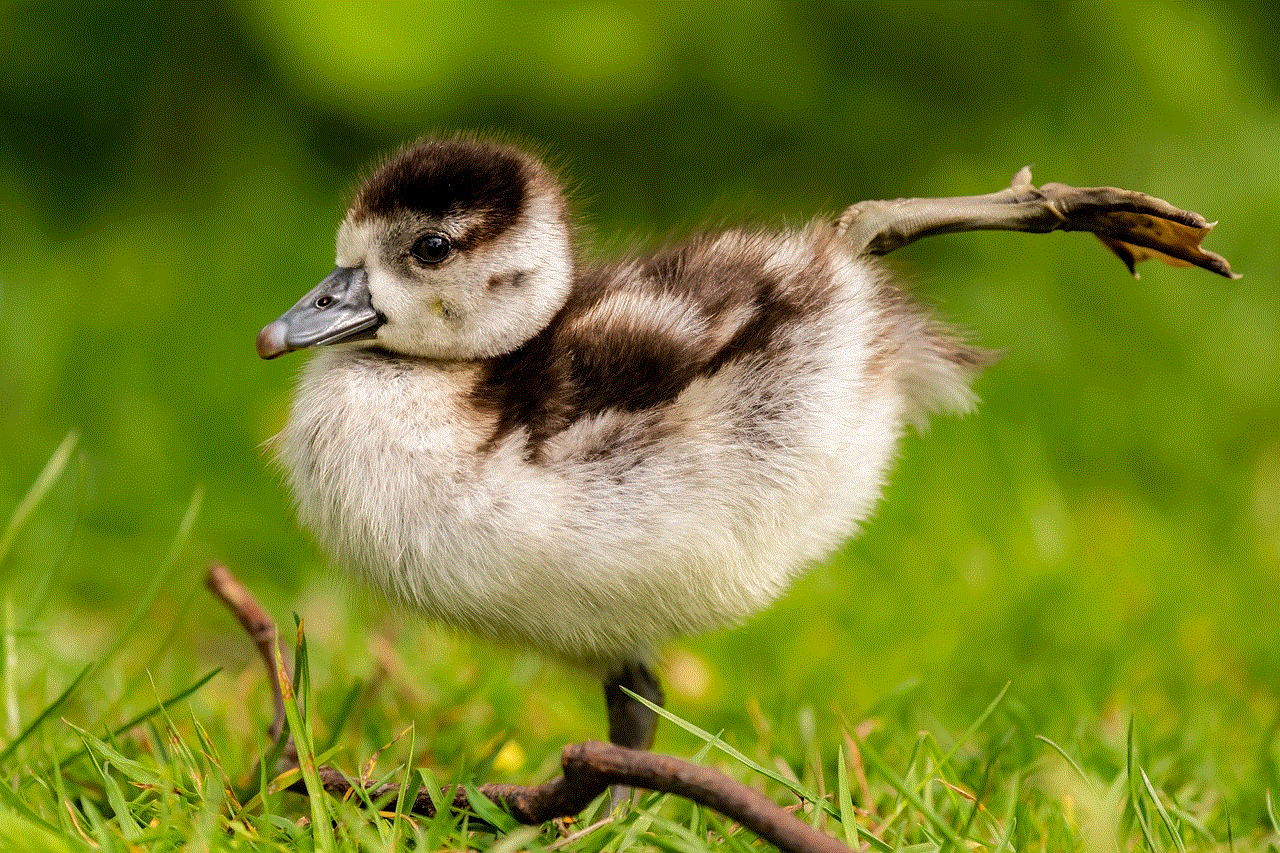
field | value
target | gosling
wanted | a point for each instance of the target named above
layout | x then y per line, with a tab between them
592	460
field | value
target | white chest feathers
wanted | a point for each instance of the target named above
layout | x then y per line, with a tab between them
597	531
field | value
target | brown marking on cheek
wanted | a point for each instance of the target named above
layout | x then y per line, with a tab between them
509	280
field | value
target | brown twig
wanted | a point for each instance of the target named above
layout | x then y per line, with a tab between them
589	768
261	629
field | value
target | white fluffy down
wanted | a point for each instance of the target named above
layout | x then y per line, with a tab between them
598	560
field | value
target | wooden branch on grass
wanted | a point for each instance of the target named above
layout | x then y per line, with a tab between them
260	627
590	768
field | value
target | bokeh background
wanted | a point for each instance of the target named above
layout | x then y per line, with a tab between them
1104	533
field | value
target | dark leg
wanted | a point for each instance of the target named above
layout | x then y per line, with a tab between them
630	723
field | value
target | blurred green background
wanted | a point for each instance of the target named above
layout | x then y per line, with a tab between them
1104	533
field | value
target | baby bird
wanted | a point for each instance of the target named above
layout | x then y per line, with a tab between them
591	460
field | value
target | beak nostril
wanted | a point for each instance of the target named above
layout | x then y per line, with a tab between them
309	323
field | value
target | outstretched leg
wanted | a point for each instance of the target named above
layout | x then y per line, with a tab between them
1133	225
631	724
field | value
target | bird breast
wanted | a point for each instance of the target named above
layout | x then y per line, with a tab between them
687	434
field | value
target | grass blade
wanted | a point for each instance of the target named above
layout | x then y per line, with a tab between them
1008	837
148	597
1135	793
713	740
115	798
1164	815
488	811
146	715
980	792
134	770
49	711
969	732
844	799
910	794
1074	766
43	483
13	801
1188	819
9	671
317	798
409	786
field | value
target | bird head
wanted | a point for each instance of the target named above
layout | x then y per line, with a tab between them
452	249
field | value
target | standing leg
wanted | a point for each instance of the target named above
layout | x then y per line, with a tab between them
631	724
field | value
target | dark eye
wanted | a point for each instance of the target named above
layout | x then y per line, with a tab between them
431	248
324	302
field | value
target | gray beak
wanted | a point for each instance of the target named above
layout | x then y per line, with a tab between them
337	310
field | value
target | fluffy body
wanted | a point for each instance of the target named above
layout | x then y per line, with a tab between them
590	461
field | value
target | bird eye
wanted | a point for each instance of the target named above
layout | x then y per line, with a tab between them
431	248
324	302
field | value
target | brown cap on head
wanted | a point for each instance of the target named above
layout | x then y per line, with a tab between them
437	178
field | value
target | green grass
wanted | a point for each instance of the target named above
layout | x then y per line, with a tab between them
1060	630
125	753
